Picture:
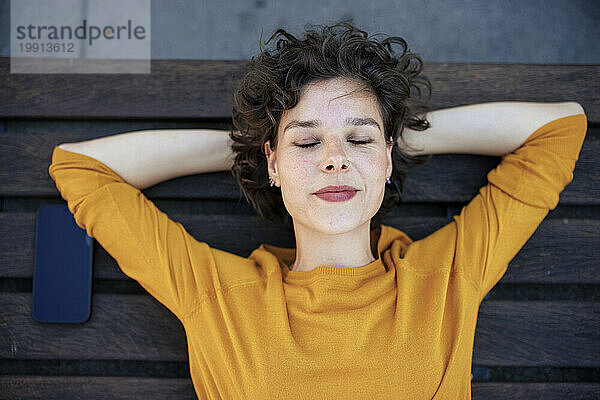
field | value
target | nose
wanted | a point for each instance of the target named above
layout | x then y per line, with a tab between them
334	159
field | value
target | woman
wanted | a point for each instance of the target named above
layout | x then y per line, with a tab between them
324	132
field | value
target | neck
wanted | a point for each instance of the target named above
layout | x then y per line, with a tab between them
351	249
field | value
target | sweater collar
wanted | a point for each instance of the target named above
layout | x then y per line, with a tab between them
382	238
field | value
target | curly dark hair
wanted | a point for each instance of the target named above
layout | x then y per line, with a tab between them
273	84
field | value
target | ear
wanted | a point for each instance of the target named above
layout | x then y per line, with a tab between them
271	161
390	166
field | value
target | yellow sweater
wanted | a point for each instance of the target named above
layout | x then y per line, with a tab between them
401	327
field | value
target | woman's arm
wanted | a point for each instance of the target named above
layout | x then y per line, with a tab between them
493	129
145	158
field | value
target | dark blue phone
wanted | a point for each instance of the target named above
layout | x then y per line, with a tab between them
62	273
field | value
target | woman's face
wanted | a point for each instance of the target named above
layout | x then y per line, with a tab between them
347	147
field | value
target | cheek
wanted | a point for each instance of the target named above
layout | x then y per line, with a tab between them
296	170
375	166
374	173
296	180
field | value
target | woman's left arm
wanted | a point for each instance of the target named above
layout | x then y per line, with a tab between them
492	129
539	144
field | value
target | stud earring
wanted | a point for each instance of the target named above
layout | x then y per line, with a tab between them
271	181
388	180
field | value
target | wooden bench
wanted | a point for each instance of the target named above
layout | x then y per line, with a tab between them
538	330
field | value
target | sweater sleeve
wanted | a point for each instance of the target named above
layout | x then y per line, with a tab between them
521	190
147	245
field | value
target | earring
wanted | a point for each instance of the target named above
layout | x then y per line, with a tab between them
388	180
271	181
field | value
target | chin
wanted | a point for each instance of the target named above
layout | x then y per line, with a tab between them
336	224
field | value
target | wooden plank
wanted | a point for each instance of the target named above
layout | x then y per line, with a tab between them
509	333
121	327
94	387
174	89
458	177
546	391
537	333
445	178
100	388
204	89
547	257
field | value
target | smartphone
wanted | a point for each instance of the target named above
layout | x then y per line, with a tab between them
62	272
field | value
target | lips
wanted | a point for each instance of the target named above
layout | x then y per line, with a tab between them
333	189
336	193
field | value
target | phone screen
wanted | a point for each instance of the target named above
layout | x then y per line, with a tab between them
62	274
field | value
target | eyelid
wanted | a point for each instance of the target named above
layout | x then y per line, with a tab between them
350	137
353	141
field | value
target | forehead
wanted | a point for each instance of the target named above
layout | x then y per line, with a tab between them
332	102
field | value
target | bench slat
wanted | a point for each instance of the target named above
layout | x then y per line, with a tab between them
204	89
95	387
546	391
445	178
547	257
509	333
100	388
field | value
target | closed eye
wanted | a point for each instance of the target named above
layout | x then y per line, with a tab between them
357	142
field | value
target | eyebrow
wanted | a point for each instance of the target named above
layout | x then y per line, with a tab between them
350	121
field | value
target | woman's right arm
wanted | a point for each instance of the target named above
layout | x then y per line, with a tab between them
101	181
145	158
